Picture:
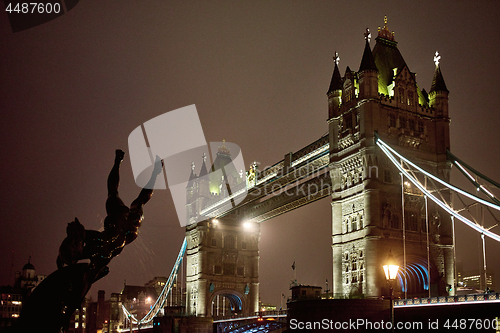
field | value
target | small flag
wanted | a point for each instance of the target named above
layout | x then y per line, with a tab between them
293	265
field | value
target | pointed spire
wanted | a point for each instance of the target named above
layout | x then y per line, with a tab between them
192	176
203	171
336	82
367	62
438	80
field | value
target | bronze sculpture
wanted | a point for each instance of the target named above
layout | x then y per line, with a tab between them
50	306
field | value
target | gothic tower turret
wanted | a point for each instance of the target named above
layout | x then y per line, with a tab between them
335	90
438	100
368	72
204	179
334	101
438	95
191	193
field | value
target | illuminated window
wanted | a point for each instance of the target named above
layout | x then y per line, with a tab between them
410	98
354	224
401	95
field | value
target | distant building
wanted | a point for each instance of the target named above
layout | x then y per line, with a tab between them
27	279
138	300
11	298
78	321
175	299
10	305
302	292
266	307
475	280
102	316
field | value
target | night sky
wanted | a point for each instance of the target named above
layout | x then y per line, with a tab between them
73	89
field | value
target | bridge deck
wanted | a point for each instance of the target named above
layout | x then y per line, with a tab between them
449	300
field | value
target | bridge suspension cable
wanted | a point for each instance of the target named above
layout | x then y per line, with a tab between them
466	170
164	293
392	155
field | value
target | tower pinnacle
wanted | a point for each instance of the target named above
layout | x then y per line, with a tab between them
368	35
203	171
438	80
385	32
437	57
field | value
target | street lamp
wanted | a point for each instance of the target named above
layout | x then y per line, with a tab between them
391	271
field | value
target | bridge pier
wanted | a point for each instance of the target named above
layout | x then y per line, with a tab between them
222	267
374	209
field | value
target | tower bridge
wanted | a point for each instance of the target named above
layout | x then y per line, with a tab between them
385	163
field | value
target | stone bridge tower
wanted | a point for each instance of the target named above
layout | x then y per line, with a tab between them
383	97
222	255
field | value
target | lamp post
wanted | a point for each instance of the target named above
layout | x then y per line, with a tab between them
391	271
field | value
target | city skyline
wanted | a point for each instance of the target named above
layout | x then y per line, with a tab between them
74	88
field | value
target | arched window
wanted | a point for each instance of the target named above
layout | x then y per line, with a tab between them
229	242
392	120
412	124
401	95
410	98
402	122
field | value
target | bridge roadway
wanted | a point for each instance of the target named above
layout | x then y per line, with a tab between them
436	305
449	300
298	179
263	321
269	321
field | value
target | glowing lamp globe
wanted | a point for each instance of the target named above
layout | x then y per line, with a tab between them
391	268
